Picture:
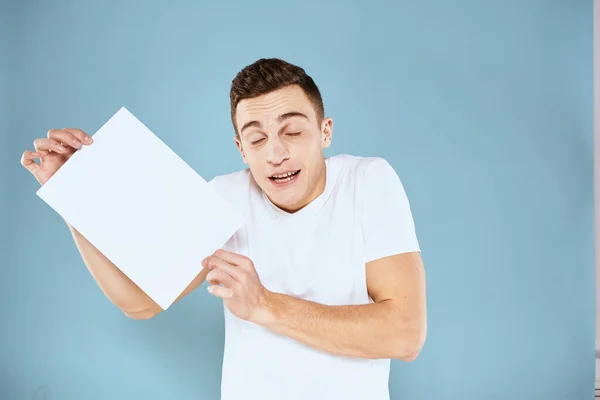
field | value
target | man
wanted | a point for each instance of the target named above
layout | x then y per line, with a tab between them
324	284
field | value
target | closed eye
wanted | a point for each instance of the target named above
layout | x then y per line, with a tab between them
293	133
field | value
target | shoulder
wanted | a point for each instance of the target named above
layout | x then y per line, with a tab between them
232	185
231	179
383	208
363	171
374	182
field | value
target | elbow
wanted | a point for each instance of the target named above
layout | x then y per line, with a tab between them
407	349
141	314
408	357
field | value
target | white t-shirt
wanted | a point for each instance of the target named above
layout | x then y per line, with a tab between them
318	254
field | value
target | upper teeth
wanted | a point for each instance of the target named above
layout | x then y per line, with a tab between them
283	175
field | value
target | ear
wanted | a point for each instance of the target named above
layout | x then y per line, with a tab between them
326	132
238	143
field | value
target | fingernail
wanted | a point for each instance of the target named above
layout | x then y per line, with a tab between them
88	139
209	289
61	147
76	143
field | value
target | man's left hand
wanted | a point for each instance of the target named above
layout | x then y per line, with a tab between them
233	277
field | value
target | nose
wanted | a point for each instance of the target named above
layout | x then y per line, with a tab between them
277	151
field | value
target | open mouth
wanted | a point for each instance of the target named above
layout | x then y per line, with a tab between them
284	178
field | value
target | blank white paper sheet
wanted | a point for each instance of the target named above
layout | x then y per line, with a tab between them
142	206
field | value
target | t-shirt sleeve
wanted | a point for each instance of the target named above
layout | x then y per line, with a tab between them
387	220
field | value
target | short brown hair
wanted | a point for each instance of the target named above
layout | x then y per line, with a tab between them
269	74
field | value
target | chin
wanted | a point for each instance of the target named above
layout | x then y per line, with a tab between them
284	201
287	201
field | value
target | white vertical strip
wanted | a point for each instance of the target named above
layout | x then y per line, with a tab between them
596	45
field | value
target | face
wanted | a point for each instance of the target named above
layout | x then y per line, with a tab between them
282	142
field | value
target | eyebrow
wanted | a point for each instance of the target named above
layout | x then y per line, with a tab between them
280	119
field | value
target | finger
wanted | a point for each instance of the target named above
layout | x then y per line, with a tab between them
65	138
220	291
213	262
219	276
231	258
41	145
28	161
81	135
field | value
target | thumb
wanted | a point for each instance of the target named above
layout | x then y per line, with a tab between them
220	291
28	161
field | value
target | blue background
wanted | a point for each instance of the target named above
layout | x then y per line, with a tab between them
484	109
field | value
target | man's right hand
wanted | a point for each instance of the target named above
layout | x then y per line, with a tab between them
53	151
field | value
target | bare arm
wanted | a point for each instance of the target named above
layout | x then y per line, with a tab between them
52	152
121	290
394	326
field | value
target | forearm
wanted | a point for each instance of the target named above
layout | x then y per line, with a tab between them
376	330
120	290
